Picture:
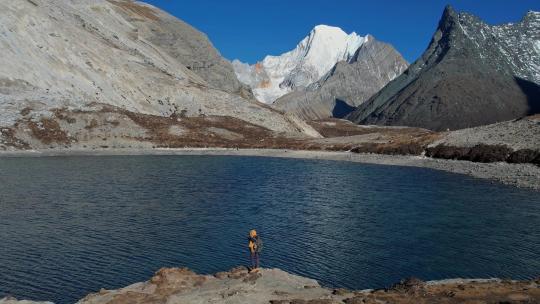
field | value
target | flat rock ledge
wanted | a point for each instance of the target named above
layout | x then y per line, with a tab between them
275	286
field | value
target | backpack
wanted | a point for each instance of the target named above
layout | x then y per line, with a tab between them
258	245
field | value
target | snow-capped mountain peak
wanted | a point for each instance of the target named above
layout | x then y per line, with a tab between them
313	57
326	45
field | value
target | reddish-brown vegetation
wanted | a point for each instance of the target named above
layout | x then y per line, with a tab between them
64	115
415	291
525	156
336	128
11	140
92	125
485	154
180	131
48	131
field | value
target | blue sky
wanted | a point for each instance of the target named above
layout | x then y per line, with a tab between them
250	29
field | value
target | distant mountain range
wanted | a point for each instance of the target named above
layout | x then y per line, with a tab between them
119	73
328	74
348	84
472	74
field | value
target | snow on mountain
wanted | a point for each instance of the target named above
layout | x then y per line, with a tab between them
471	74
511	47
312	58
348	84
131	55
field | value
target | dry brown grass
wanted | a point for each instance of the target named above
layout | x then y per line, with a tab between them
399	144
140	10
215	131
230	132
11	140
201	132
389	140
197	134
455	293
92	125
485	154
337	128
64	115
48	131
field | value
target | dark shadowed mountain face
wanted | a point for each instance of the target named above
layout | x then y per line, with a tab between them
348	84
471	74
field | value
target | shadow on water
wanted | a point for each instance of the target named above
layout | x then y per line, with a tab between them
532	91
341	109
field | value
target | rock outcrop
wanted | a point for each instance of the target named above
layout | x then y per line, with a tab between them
348	84
274	286
471	74
181	41
73	55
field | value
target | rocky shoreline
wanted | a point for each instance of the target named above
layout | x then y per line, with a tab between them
275	286
519	175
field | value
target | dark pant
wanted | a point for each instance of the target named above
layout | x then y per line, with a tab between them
254	260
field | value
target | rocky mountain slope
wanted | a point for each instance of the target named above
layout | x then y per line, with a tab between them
348	84
76	56
312	58
274	286
191	47
523	133
471	74
516	141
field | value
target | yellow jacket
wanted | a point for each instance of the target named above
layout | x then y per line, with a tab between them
252	245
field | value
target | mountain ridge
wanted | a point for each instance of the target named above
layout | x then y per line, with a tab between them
468	76
71	54
348	84
313	56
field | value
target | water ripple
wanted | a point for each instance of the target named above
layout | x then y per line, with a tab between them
73	225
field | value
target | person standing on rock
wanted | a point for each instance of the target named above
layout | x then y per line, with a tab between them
255	248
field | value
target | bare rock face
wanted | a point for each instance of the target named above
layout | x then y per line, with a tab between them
180	285
238	286
188	45
472	74
348	84
72	54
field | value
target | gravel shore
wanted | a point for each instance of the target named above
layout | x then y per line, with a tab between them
519	175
